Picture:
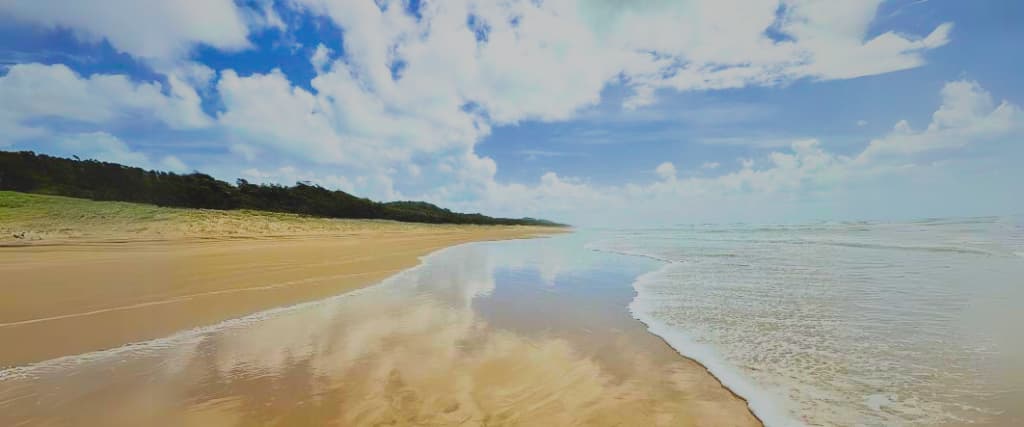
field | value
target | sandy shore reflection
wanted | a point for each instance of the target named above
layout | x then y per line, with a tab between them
413	350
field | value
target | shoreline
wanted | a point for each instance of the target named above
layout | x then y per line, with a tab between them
768	413
613	364
662	369
756	310
86	295
127	282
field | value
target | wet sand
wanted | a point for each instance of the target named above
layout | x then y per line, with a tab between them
66	296
529	332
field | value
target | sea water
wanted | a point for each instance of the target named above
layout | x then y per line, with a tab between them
915	323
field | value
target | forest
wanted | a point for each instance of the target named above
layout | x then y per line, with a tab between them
28	172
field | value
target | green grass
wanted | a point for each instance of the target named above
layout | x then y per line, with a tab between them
41	217
33	207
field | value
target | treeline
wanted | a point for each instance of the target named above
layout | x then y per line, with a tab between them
28	172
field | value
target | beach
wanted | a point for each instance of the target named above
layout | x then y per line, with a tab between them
687	213
382	323
88	276
88	296
127	314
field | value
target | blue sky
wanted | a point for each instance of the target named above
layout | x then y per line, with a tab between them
596	112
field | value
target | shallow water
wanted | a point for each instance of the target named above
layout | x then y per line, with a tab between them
532	332
846	324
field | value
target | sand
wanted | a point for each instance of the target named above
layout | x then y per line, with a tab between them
79	275
441	344
75	297
473	337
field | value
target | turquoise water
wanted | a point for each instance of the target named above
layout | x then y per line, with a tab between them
911	323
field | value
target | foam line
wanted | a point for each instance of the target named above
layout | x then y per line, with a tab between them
761	403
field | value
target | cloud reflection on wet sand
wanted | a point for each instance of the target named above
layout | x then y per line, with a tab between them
410	351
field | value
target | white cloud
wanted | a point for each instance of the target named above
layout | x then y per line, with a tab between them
710	165
100	146
341	122
173	164
642	96
546	61
193	74
553	196
105	147
832	36
320	58
666	171
968	115
290	175
724	44
377	185
415	92
266	109
245	151
417	95
787	181
35	91
156	30
262	15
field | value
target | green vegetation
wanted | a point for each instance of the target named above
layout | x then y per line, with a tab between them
89	179
21	207
33	217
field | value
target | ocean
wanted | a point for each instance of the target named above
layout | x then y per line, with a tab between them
845	324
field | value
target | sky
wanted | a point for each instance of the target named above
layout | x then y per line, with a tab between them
592	112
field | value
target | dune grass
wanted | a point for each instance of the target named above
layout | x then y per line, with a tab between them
33	217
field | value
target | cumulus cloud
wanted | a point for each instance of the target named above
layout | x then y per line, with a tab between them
726	43
415	94
101	146
266	109
33	92
516	54
805	171
832	35
320	58
666	171
173	164
553	195
291	175
105	147
423	90
968	115
155	30
341	122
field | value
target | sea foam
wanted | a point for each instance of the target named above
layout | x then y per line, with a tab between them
843	323
764	405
